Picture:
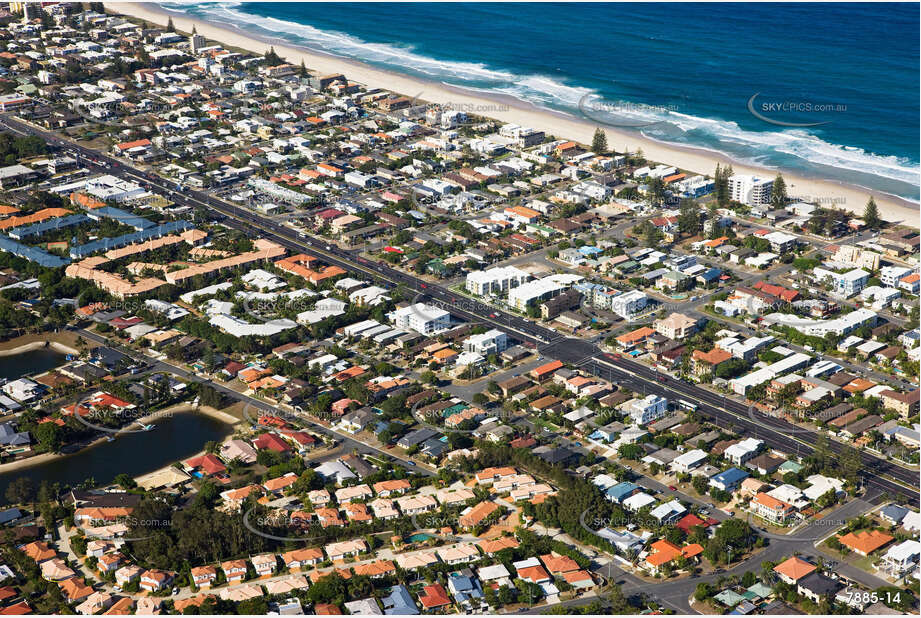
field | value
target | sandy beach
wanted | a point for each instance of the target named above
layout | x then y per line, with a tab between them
28	462
221	415
506	109
59	342
38	345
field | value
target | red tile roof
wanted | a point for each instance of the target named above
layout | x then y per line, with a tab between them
272	442
207	463
434	596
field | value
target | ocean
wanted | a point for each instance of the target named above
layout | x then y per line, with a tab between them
824	90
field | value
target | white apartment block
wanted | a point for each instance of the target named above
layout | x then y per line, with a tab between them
686	462
780	242
491	342
743	451
495	280
844	284
750	190
647	410
629	304
532	292
890	275
422	318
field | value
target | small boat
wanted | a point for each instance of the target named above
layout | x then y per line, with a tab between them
148	427
110	439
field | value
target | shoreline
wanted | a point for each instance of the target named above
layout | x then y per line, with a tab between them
507	109
38	345
207	411
179	408
38	342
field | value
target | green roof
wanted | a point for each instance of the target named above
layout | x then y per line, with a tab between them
729	598
675	275
790	466
760	590
454	409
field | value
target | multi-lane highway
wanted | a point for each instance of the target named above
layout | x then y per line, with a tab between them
878	474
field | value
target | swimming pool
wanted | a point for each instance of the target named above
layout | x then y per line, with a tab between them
419	538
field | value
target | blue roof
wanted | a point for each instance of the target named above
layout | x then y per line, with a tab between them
893	512
710	274
57	223
122	216
399	602
464	588
588	287
621	490
33	254
105	244
589	250
732	475
10	515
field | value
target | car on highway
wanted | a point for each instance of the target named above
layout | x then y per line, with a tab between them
410	463
673	488
662	379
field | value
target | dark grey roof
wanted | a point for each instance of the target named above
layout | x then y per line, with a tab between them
434	448
779	608
554	455
86	371
818	584
359	466
107	356
10	437
417	437
84	498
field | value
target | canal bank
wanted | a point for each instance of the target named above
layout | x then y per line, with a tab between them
174	437
177	432
52	346
62	341
31	361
